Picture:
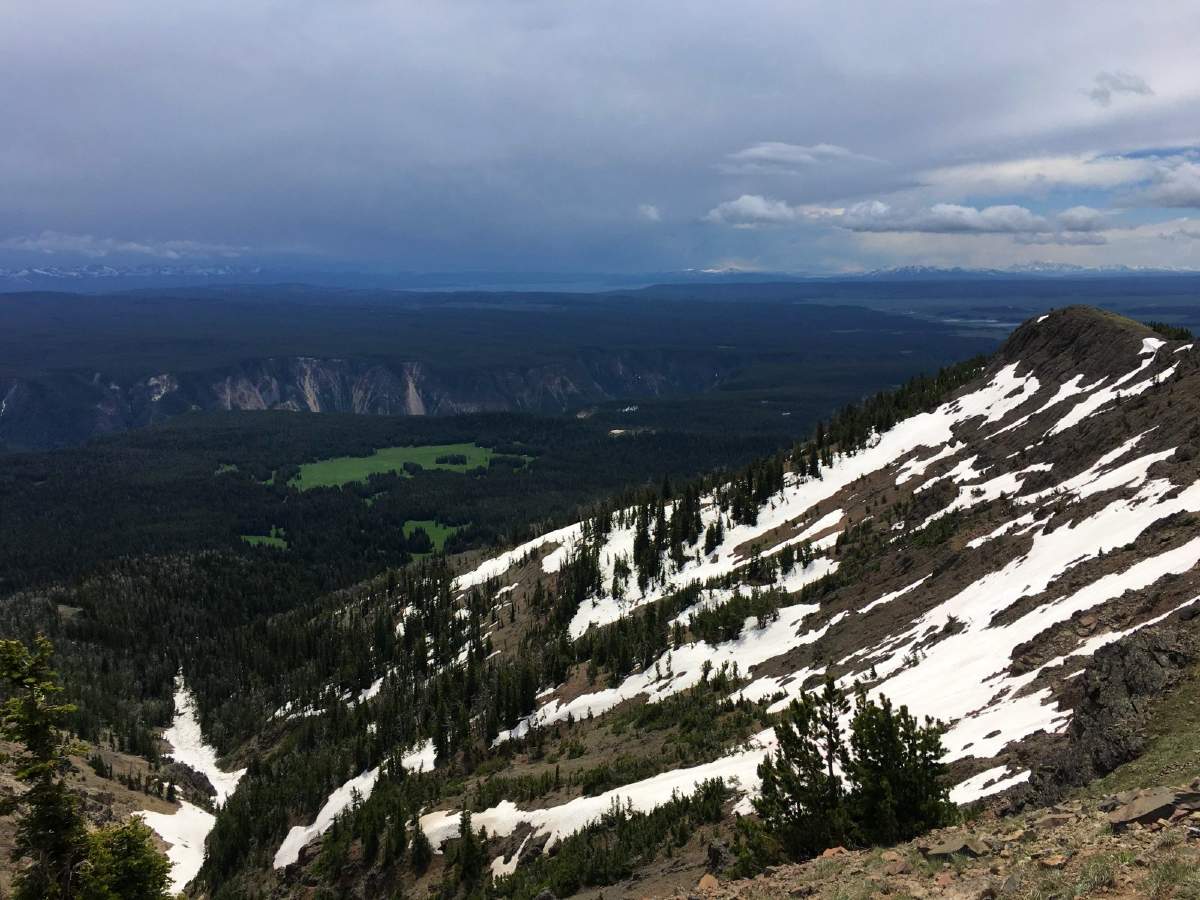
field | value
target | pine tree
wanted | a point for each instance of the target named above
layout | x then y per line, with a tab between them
421	854
470	851
801	797
51	839
893	790
123	864
896	786
61	859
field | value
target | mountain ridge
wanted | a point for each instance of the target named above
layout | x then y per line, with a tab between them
1011	546
945	561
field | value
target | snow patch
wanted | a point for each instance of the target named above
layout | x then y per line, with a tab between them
186	828
185	831
888	598
340	800
991	781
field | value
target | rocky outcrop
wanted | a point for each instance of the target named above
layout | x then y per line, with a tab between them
1148	806
1076	849
1116	691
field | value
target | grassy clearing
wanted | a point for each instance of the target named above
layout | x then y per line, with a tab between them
1173	876
274	539
436	530
1172	752
346	469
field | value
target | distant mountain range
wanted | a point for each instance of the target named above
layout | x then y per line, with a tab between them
96	277
1025	270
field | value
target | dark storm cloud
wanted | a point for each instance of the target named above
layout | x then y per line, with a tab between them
542	134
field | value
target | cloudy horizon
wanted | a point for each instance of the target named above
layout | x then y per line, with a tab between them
528	135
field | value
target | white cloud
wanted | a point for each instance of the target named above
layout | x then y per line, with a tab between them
650	212
1155	245
1183	233
1039	174
781	157
51	243
1063	239
1078	226
942	218
1175	184
751	210
1083	218
1109	83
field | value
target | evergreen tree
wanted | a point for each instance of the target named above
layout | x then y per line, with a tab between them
123	864
470	851
61	860
801	798
421	854
51	839
894	787
711	540
895	773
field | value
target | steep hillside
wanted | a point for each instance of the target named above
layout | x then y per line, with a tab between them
68	407
989	553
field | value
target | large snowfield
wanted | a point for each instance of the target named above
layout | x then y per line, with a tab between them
960	678
951	659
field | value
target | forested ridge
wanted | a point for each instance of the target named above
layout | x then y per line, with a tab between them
467	703
277	652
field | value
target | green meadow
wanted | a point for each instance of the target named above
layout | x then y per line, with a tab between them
346	469
436	530
274	539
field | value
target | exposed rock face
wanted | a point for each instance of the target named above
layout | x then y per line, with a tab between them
194	784
59	409
1115	692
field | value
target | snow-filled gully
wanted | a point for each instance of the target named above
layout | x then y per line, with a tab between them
186	829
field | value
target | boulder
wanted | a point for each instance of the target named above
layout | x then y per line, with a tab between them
898	866
719	856
1053	820
707	883
1146	807
958	844
1114	694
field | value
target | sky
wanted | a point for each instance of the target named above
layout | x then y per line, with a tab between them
600	135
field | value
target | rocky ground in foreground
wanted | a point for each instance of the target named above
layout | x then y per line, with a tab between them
1142	843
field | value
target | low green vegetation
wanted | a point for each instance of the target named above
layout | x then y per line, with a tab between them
275	539
1171	332
405	461
435	530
